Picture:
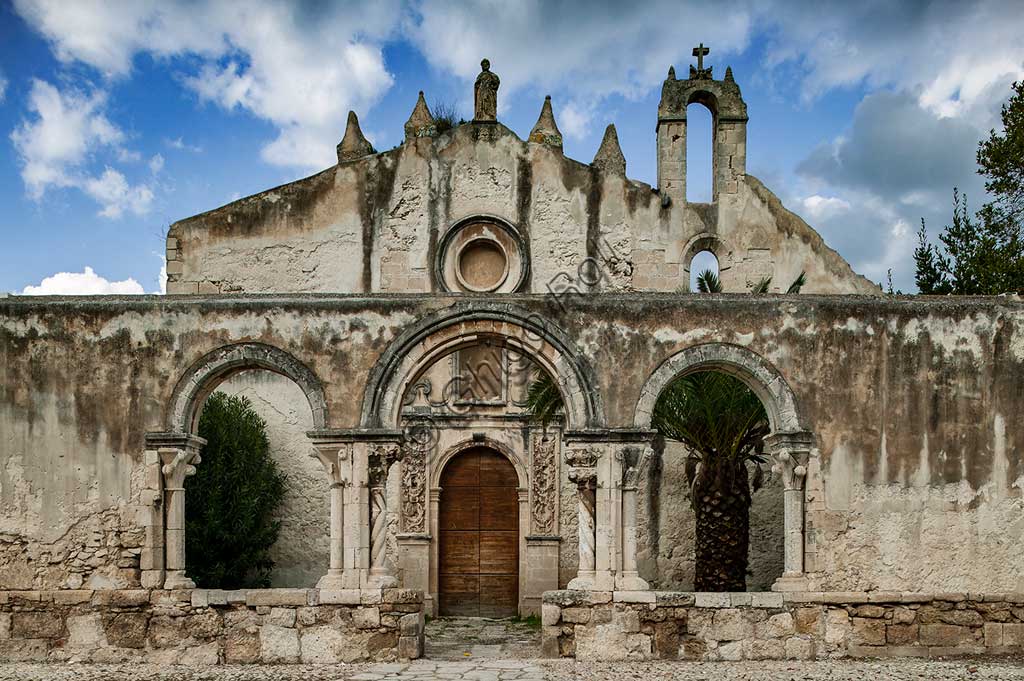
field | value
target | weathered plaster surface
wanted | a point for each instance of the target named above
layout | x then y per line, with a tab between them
912	403
373	225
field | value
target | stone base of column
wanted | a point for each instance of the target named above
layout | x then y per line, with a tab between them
631	581
380	578
598	580
334	580
176	579
152	579
585	580
790	582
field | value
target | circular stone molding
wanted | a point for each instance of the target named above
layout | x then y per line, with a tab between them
482	255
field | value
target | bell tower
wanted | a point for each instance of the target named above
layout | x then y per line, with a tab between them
729	129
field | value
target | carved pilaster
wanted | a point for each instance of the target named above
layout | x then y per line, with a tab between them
379	463
414	490
583	471
544	485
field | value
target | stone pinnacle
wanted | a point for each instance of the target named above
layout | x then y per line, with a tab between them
609	156
546	130
420	123
353	145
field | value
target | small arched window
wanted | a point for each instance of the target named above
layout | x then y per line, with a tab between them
699	150
704	273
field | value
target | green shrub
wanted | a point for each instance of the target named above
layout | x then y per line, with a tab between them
231	500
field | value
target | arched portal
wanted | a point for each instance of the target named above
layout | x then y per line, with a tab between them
788	443
478	566
206	373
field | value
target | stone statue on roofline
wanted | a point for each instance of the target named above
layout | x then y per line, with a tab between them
485	95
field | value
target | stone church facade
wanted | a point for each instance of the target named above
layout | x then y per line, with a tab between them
398	306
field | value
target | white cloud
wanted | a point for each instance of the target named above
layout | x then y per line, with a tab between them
54	147
156	163
301	66
113	192
820	207
949	52
128	156
3	87
574	120
67	127
86	283
179	144
588	49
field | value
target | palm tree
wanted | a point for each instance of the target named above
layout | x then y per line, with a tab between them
723	424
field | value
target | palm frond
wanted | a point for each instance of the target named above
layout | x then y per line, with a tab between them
714	414
798	283
708	282
762	286
543	398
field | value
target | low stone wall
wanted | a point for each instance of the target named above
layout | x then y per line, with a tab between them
207	627
643	625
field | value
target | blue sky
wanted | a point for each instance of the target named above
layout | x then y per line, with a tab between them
119	118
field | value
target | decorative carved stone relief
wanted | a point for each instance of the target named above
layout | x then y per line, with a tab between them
581	458
414	490
544	479
379	463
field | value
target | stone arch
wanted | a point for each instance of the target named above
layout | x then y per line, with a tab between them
706	99
438	335
757	373
707	241
490	443
206	373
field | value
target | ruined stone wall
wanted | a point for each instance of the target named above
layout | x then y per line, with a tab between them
376	225
774	626
208	627
915	480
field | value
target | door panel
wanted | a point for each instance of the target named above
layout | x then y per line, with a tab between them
479	542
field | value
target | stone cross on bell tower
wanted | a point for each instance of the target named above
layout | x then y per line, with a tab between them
700	72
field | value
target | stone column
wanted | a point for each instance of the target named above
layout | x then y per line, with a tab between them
335	458
634	461
378	465
791	452
178	464
582	471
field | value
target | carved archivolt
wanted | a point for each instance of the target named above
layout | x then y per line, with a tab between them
544	479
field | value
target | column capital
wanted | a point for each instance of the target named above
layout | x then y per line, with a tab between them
331	456
634	459
177	464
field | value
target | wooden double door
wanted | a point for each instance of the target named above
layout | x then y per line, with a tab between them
479	536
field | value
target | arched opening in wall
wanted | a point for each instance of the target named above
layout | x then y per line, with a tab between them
699	153
478	571
705	276
246	486
720	520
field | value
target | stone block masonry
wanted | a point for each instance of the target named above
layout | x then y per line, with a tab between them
207	627
774	626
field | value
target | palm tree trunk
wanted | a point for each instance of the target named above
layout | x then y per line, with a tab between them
721	504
